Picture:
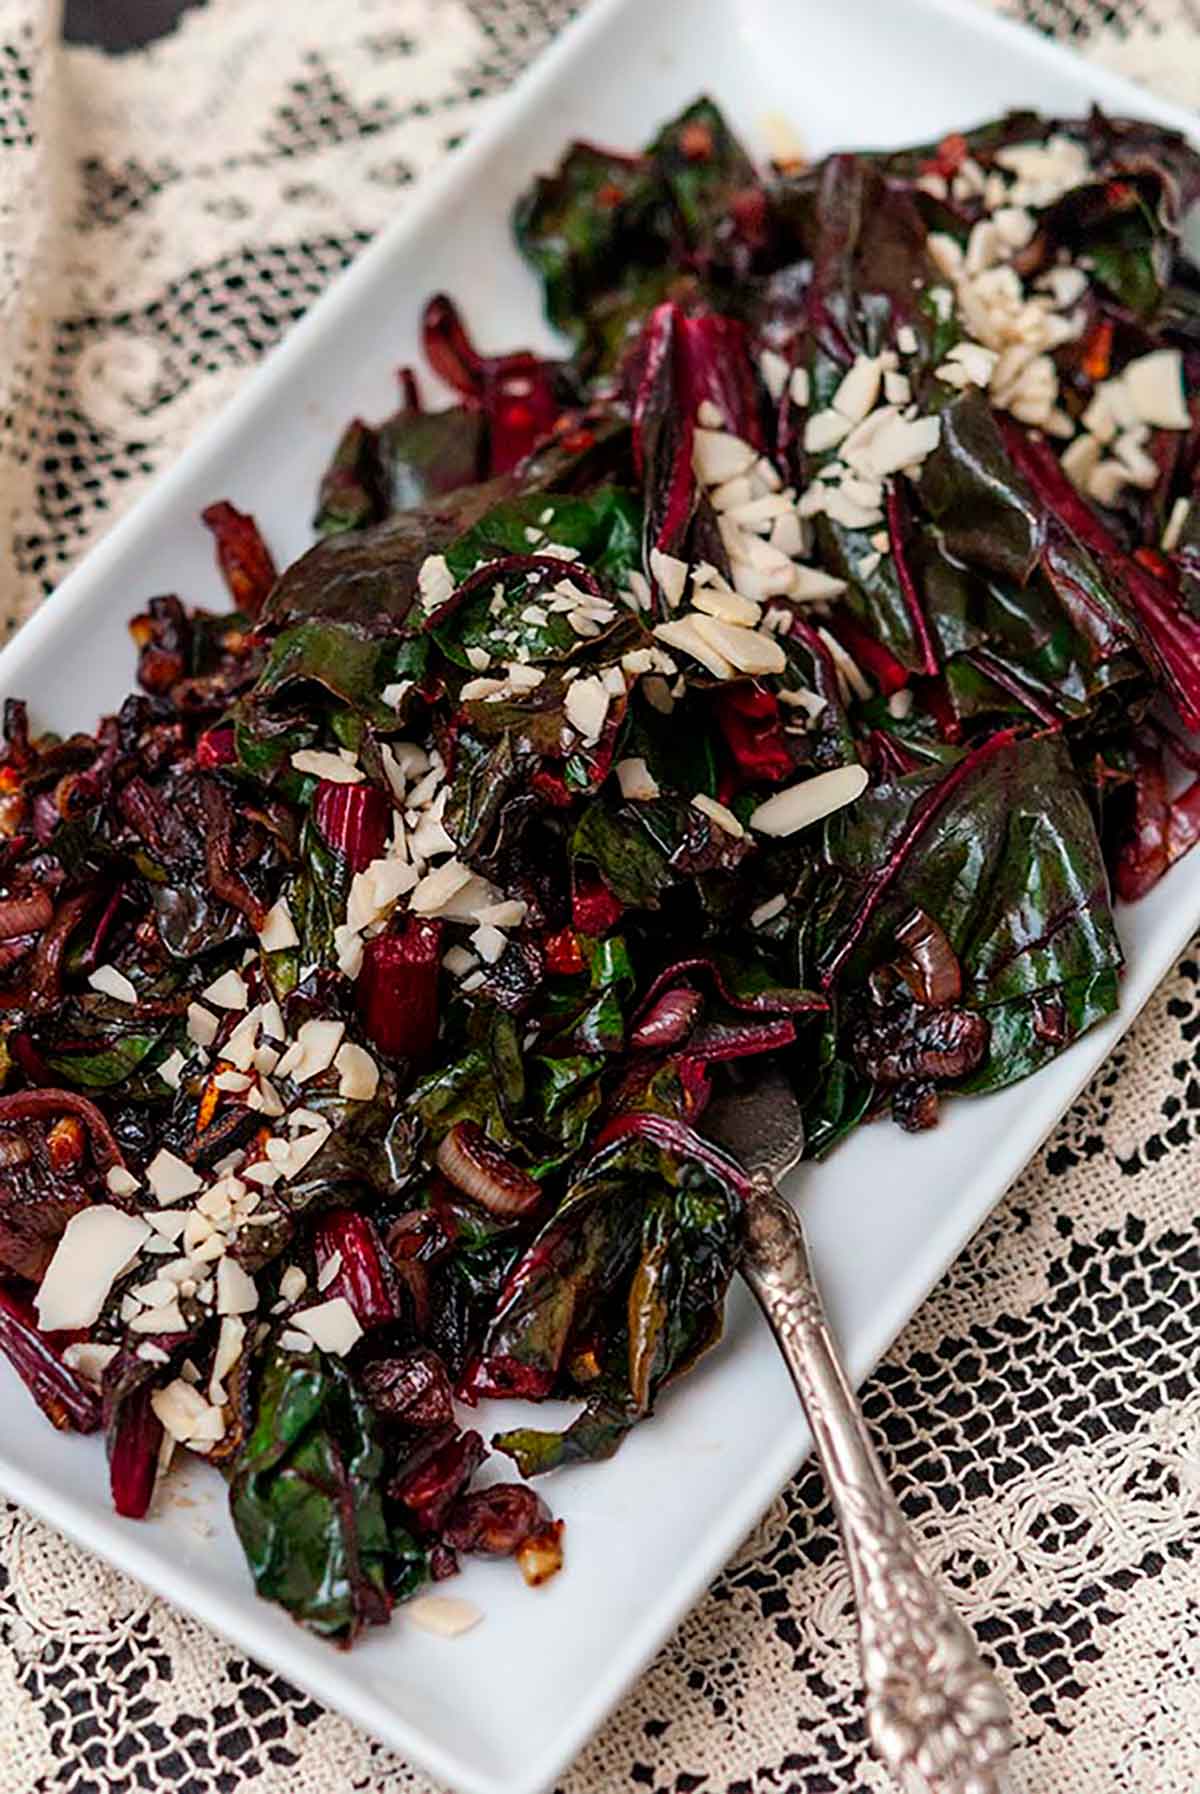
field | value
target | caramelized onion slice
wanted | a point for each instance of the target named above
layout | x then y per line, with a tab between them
467	1157
928	963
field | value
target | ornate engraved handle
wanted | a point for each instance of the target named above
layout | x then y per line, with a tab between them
936	1716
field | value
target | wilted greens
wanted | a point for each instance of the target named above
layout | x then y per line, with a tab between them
789	671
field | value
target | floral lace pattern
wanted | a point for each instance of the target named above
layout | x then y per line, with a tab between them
1041	1416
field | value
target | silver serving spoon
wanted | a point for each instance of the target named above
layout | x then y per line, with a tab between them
935	1714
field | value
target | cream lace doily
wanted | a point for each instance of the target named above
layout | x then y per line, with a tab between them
164	216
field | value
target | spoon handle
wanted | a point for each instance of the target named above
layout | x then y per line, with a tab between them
936	1716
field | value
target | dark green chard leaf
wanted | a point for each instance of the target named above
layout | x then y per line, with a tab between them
595	1435
463	1090
613	235
265	745
306	1500
680	759
565	1094
318	896
874	596
867	244
413	457
350	495
487	795
704	168
367	579
1002	850
604	525
836	1096
370	1151
1112	229
992	520
615	844
1029	1031
105	1068
638	1257
599	216
350	667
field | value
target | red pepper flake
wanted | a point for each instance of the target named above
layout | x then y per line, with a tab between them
595	909
65	1143
216	747
1097	351
578	442
696	142
949	157
1157	563
563	953
609	195
208	1102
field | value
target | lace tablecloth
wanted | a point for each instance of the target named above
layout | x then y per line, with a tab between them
164	216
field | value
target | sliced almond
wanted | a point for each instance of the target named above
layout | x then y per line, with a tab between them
357	1072
1175	525
671	574
800	805
278	930
313	1051
731	607
331	1325
586	705
185	1416
228	991
438	887
489	943
718	456
683	633
202	1024
112	983
236	1289
90	1361
847	668
637	782
230	1341
447	1616
330	767
746	649
774	371
859	389
508	913
96	1245
435	582
716	812
1154	383
850	512
1080	459
824	430
170	1178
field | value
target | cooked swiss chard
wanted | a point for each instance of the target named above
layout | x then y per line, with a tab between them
784	673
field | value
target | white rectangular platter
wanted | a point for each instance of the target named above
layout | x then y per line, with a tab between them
502	1710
